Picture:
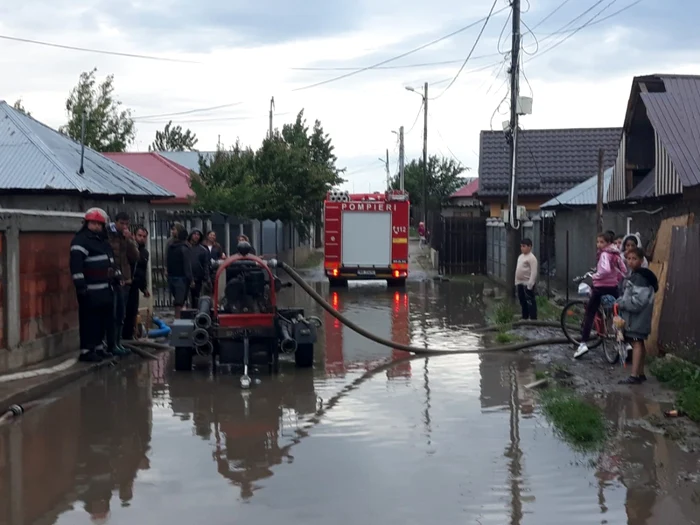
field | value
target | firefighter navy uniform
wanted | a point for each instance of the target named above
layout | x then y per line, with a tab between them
94	274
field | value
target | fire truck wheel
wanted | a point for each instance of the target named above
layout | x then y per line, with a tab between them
338	283
304	356
183	359
396	283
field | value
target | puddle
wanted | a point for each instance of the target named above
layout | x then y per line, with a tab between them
455	437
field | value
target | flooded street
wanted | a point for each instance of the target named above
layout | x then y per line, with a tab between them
453	439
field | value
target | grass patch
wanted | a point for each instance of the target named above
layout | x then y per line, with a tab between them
502	313
684	377
576	420
312	261
412	232
546	309
504	337
541	374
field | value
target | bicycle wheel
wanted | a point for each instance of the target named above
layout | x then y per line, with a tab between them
612	349
571	320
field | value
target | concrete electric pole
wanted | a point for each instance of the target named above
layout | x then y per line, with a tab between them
425	154
272	112
386	167
513	235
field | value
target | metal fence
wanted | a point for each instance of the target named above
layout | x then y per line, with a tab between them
539	230
461	245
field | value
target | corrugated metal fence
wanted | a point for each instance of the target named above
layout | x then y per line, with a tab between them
679	325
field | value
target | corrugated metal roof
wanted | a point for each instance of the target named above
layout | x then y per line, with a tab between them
646	188
36	157
675	115
585	194
188	159
157	169
467	191
550	161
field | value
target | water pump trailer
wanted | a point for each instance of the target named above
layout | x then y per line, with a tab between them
241	324
366	237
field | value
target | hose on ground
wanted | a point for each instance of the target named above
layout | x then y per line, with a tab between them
150	344
139	351
408	348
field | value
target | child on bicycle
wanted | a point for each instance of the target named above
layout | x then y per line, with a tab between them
610	270
636	307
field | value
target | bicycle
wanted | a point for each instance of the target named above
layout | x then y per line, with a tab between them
605	332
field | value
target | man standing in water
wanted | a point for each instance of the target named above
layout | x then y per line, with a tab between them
94	276
139	284
126	255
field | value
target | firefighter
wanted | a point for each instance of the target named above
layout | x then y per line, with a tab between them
94	275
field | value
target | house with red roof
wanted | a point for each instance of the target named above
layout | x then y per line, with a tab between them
464	201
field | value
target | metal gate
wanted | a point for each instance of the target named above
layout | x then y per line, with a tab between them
462	245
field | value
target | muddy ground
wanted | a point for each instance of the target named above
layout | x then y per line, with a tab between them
594	378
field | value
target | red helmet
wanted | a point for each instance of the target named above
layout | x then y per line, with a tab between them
95	215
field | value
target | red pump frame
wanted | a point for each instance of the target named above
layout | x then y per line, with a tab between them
243	320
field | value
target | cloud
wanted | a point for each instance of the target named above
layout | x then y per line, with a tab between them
247	51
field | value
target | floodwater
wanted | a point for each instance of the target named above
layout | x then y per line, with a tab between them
440	440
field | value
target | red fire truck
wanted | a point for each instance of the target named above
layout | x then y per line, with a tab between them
366	237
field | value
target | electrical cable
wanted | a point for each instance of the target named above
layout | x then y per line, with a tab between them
422	103
98	51
471	51
550	15
221	119
503	30
537	43
188	112
600	20
567	37
402	55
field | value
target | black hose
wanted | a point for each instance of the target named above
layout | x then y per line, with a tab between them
408	348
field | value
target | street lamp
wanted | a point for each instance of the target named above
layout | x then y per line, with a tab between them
424	96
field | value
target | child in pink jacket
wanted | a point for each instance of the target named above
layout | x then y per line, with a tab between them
609	273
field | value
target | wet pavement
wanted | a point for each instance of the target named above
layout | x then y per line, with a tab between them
441	440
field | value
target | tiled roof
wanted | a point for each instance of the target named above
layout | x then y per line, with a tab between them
157	169
584	194
675	115
188	159
467	191
34	157
550	161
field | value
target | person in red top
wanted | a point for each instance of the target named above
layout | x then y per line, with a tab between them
610	271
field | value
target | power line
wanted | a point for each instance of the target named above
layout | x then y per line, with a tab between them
404	66
398	57
97	51
598	21
471	51
189	112
567	37
550	15
416	119
222	119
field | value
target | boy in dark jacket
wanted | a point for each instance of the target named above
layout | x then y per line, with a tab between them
636	308
179	267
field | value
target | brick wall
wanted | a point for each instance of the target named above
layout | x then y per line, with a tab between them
47	305
3	342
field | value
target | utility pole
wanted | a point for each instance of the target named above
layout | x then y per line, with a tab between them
272	112
386	167
513	234
599	201
425	154
402	161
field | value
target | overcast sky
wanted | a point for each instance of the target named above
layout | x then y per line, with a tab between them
248	52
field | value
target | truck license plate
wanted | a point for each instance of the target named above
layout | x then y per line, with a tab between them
366	272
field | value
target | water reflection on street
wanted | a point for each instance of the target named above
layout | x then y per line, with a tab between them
445	440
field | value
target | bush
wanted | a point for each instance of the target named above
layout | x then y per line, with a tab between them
578	421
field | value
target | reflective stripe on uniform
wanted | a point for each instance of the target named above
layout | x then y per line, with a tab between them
101	286
96	258
77	276
111	259
76	248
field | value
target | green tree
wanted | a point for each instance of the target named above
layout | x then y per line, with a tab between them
228	183
286	179
109	127
174	139
444	178
20	107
